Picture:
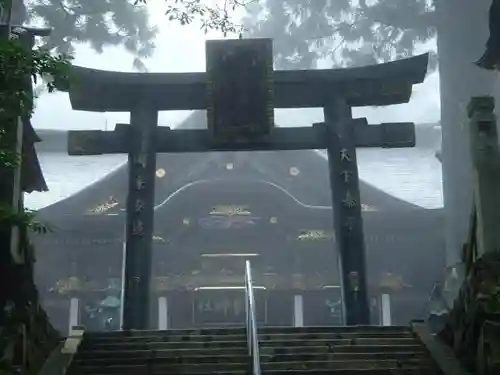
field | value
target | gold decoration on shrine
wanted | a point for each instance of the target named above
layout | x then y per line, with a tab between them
104	207
160	173
391	281
298	281
314	235
159	239
367	208
294	171
230	210
161	283
198	281
71	284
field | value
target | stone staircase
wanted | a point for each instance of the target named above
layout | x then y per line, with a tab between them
308	350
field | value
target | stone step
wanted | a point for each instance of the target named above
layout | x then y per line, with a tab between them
274	350
292	350
398	371
262	343
242	337
244	358
165	368
242	330
372	350
163	353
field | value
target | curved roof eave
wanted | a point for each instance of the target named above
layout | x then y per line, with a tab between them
311	186
380	84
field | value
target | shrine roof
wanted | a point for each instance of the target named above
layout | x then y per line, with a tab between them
402	225
381	84
310	185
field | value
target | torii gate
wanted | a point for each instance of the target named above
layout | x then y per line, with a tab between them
240	91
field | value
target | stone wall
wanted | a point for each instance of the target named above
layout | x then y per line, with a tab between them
473	328
475	318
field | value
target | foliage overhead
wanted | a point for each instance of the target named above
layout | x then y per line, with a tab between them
102	23
99	23
217	16
347	32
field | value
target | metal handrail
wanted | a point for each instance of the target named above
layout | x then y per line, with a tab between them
251	321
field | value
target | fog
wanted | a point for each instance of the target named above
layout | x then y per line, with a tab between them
401	189
182	49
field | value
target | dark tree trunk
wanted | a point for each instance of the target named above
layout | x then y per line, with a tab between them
462	27
491	58
18	13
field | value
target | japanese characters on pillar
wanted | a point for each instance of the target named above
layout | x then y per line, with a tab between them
240	105
350	187
346	205
139	171
140	211
349	211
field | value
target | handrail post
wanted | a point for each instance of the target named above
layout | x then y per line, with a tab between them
251	321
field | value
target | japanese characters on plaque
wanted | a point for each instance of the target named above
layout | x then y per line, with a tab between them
239	88
224	305
222	308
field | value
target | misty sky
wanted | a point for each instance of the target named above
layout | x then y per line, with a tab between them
181	49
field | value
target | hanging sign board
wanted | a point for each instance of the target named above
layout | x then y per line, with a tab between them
239	89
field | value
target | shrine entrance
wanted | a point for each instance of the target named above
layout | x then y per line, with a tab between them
224	306
202	261
211	307
240	91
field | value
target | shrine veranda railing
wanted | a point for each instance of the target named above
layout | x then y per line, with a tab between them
246	124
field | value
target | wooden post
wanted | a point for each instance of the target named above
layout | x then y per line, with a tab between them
12	141
16	192
485	155
140	218
10	188
346	206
